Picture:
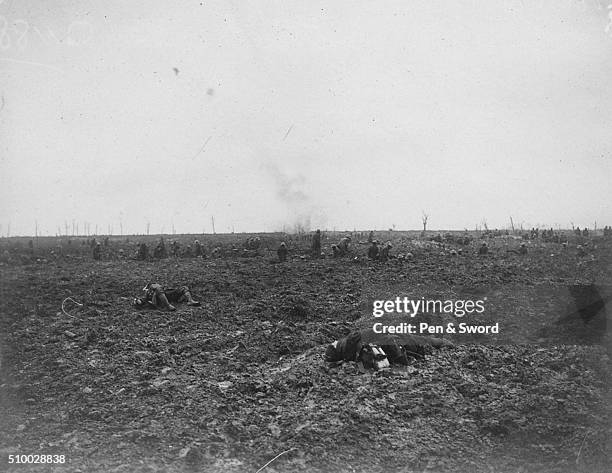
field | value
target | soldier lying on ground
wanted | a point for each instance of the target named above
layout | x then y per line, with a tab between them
158	297
358	346
522	250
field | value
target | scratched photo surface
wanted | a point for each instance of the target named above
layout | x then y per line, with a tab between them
346	236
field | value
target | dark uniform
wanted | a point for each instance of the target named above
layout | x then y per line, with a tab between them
397	349
158	297
160	249
143	252
282	252
198	249
253	243
342	247
97	252
373	251
385	252
316	243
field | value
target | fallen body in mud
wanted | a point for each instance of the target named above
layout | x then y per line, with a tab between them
156	297
375	351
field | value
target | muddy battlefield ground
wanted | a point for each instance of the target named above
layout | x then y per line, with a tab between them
232	384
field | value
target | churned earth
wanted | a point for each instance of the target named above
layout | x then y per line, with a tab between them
232	384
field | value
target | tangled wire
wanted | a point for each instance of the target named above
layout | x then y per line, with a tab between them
71	300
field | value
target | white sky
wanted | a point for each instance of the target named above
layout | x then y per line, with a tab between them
353	114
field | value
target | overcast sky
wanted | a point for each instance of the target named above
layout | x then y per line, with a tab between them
356	114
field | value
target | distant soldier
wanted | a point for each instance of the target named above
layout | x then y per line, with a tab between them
143	252
585	232
157	297
373	250
282	252
577	231
371	237
160	249
342	247
106	241
385	251
484	249
316	244
6	256
176	249
344	243
97	251
198	249
253	243
523	249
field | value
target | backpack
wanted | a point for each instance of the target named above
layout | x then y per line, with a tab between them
373	357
